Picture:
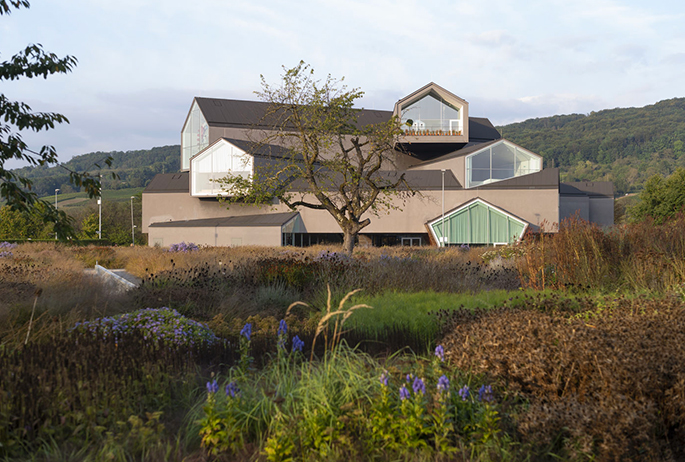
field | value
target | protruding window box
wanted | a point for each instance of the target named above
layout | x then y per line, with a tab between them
433	115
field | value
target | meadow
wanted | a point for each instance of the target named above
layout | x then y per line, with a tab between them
565	347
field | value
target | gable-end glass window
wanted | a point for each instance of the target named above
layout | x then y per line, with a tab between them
498	162
216	162
431	115
195	136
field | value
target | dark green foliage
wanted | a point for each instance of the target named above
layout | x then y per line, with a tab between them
80	386
15	188
661	198
626	146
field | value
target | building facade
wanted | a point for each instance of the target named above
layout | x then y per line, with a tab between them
474	186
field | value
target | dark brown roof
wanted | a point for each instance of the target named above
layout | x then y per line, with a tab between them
267	219
249	114
464	150
544	179
587	188
169	182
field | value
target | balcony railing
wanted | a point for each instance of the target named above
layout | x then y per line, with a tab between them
433	127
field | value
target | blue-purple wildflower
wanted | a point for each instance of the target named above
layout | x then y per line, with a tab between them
464	392
440	353
410	377
443	383
212	387
183	247
232	390
419	386
282	327
158	325
384	378
297	344
246	331
404	393
485	394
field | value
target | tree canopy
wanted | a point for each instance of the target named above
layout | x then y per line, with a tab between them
16	116
327	160
661	198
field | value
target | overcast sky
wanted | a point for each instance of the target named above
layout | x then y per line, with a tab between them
140	62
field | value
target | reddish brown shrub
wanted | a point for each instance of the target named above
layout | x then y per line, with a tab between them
607	381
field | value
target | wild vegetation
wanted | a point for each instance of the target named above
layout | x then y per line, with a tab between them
564	347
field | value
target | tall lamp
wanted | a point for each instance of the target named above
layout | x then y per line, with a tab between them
56	191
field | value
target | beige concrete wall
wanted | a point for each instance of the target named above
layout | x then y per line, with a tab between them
216	236
159	207
456	164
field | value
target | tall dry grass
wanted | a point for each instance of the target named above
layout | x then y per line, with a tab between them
636	257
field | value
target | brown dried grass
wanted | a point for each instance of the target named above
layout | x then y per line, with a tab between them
606	381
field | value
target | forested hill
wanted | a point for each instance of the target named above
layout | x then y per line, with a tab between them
625	146
134	168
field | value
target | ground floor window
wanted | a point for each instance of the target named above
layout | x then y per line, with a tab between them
372	239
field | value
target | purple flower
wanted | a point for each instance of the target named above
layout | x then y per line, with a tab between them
419	386
384	378
440	352
464	392
282	327
443	383
485	394
404	393
212	387
297	344
246	331
232	390
409	377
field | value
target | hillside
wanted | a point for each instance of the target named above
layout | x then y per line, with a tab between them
625	146
134	169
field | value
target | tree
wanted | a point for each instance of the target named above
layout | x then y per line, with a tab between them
661	198
327	160
17	116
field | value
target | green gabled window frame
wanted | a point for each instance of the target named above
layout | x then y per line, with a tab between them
477	222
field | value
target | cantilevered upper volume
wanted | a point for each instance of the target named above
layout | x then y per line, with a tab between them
433	115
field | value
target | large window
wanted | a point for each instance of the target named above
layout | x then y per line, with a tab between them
195	136
432	115
498	162
216	162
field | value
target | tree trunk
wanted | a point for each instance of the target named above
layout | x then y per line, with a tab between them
348	241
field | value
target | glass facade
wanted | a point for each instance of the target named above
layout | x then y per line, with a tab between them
195	136
216	162
478	223
431	115
498	162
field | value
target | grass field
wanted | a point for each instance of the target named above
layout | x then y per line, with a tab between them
80	199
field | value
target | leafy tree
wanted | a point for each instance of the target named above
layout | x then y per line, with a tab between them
15	224
331	162
17	116
661	198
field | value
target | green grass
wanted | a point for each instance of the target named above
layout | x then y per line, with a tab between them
410	313
108	195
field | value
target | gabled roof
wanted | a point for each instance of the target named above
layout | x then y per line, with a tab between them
252	114
544	179
266	219
471	201
465	150
425	90
169	183
587	188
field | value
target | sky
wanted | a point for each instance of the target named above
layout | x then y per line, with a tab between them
141	62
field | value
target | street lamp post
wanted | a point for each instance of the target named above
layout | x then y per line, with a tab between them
100	210
442	223
56	191
133	227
